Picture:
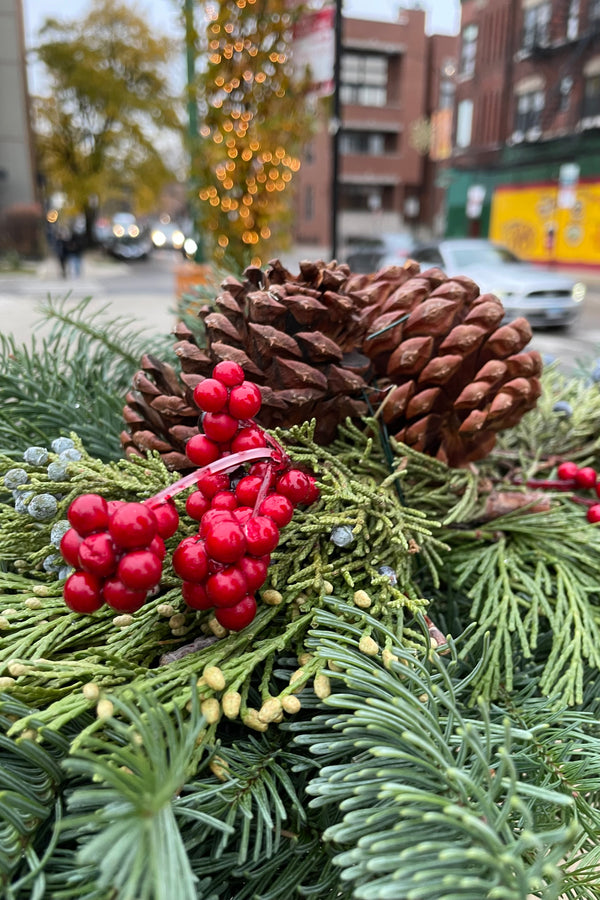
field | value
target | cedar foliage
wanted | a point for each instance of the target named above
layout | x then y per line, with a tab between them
410	770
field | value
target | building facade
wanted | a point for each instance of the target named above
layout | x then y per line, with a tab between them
17	184
526	160
385	96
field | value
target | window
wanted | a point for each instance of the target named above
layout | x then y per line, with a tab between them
364	79
366	198
373	143
573	20
594	12
536	25
464	123
468	50
591	97
566	86
529	111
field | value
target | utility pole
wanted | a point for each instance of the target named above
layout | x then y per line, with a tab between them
192	111
335	128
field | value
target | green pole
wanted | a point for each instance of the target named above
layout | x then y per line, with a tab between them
192	109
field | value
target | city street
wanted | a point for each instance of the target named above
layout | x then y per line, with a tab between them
145	291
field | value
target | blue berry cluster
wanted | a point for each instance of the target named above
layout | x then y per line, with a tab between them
44	506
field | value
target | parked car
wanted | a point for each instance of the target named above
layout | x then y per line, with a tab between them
544	297
371	254
128	239
167	235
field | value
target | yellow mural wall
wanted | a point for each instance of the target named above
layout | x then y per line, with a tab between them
547	223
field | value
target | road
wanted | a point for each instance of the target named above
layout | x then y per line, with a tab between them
145	291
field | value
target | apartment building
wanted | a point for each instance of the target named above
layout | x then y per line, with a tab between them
527	127
386	95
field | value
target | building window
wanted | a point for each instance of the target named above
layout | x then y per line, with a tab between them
566	87
591	97
468	50
529	111
364	79
309	205
464	123
573	20
536	25
594	12
366	198
371	143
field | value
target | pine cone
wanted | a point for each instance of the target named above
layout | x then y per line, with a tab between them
430	350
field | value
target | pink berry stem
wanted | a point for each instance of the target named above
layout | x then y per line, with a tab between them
550	485
227	463
262	492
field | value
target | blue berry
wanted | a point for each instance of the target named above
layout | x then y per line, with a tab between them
58	531
64	572
62	443
57	471
70	455
562	406
342	536
389	573
22	500
53	563
42	507
36	456
14	478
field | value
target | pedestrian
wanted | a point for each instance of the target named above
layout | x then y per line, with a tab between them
61	241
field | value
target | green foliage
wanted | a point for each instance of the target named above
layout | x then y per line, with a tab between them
108	94
255	121
74	380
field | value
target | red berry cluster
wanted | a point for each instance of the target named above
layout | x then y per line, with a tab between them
117	550
239	520
585	478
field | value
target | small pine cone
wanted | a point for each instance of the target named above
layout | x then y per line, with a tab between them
318	344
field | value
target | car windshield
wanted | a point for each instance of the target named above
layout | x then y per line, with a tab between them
483	254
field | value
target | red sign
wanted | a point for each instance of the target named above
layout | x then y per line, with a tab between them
314	49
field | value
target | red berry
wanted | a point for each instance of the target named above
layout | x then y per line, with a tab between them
314	493
113	506
224	500
167	519
88	513
254	571
227	587
237	617
121	598
132	526
278	508
201	451
157	546
97	554
567	471
196	505
190	560
262	535
586	477
213	516
210	395
294	485
248	439
264	470
247	490
195	595
225	541
244	400
593	513
140	570
83	592
242	513
69	547
219	427
229	373
210	484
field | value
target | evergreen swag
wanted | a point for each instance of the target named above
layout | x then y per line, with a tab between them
336	748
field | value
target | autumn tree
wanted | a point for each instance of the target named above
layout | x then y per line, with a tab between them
254	121
105	110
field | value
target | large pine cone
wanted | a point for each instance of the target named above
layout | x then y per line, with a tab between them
431	351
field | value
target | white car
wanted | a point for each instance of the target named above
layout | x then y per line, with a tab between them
542	296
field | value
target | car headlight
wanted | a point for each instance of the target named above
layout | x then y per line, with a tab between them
501	293
118	231
178	239
133	231
190	246
578	291
158	238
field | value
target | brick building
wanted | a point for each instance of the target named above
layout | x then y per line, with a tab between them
386	97
527	126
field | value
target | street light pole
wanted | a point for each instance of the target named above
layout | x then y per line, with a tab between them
192	111
335	127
